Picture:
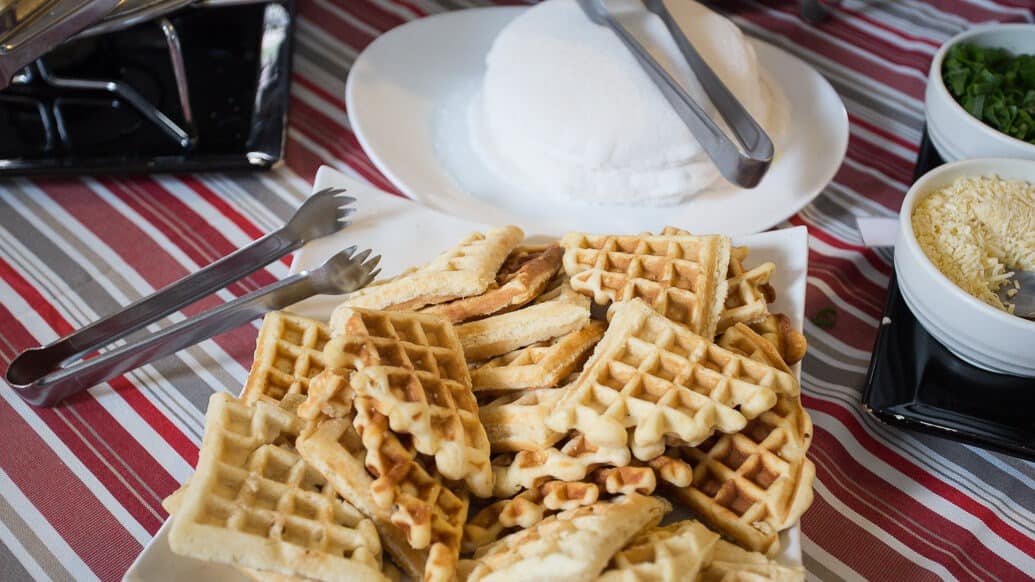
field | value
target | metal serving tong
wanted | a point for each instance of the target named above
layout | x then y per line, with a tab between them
41	376
743	165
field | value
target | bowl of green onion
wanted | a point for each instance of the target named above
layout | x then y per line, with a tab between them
980	99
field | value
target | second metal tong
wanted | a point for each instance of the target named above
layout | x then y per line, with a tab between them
744	164
41	376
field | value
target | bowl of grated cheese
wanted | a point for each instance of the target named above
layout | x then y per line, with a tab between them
963	228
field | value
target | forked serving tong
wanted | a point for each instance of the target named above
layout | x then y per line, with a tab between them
744	164
44	376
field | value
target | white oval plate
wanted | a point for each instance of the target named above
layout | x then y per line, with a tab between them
407	99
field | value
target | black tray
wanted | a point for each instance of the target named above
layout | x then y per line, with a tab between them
916	383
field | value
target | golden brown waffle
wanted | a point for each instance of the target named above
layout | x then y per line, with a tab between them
525	510
730	563
288	353
431	514
572	546
756	483
514	422
553	314
666	383
522	278
748	294
625	480
336	451
411	369
789	342
674	553
467	269
254	502
540	365
743	340
571	462
681	276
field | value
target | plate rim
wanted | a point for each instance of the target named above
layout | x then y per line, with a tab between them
362	132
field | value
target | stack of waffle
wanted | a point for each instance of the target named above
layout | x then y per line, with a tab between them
473	420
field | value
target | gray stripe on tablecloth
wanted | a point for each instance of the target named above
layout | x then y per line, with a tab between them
89	291
817	570
11	567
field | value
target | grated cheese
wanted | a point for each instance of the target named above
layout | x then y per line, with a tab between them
976	231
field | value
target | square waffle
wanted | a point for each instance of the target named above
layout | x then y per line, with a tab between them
412	370
756	483
541	365
673	553
522	278
555	313
288	353
777	330
515	421
572	546
254	502
666	383
465	270
681	276
335	450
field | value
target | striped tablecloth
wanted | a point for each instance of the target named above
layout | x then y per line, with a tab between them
80	484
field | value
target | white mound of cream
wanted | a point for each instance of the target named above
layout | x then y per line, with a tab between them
566	110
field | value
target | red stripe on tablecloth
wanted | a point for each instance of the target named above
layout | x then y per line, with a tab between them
867	153
972	11
898	140
375	15
324	94
71	508
870	187
818	41
300	159
334	24
842	29
411	7
861	15
910	505
121	443
844	539
871	257
902	516
191	232
259	278
338	141
848	282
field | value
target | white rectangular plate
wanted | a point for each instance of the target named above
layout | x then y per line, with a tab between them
405	234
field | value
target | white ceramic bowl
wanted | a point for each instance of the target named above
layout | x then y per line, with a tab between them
979	333
956	134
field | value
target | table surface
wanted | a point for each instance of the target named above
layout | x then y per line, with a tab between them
81	484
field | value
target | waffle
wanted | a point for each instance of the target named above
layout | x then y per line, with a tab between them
521	279
751	485
525	510
514	422
288	353
411	369
743	340
665	382
673	553
572	546
254	502
748	293
541	365
681	276
730	563
625	480
789	343
571	462
467	269
336	451
555	313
